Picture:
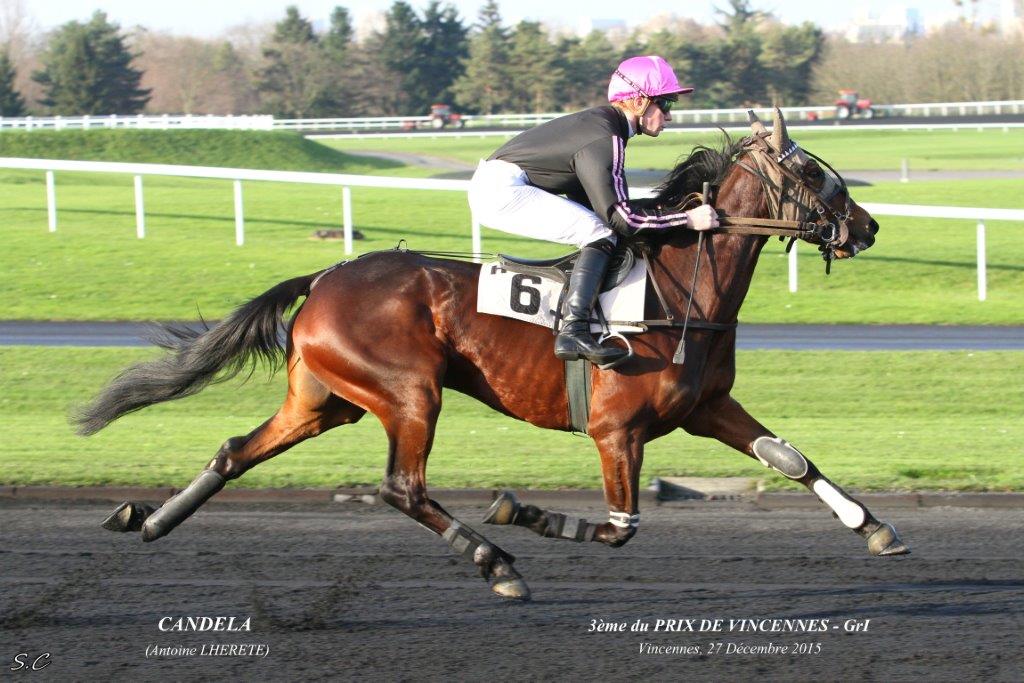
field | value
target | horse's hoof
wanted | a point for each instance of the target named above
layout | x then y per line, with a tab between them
152	531
128	516
503	510
513	588
885	541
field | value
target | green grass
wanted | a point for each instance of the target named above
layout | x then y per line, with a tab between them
988	149
94	268
870	421
278	150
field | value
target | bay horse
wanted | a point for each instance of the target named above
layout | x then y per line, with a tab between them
386	332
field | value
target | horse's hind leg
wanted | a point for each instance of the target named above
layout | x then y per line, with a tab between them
410	420
309	409
727	421
621	458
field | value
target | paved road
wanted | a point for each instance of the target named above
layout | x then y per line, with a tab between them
843	337
360	592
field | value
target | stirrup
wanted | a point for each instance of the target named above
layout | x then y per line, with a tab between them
620	361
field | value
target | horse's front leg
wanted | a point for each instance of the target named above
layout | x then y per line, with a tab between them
726	420
621	458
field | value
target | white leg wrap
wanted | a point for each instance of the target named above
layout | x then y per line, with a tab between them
849	513
624	520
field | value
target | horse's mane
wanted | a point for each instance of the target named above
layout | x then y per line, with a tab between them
704	164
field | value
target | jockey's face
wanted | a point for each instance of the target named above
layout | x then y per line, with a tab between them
653	119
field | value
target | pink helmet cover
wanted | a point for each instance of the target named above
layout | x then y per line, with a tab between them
648	76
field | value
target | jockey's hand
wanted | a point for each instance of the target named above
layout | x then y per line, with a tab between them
704	217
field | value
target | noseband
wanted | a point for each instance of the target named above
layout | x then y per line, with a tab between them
829	228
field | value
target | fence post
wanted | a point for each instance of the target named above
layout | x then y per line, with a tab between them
51	202
346	216
982	276
904	171
239	218
140	211
792	268
477	248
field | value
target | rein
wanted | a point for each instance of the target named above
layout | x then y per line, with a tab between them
827	234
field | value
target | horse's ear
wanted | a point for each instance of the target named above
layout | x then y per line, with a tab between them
780	136
755	123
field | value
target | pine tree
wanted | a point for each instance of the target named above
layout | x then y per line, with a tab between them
742	74
400	49
788	56
587	65
294	79
336	51
535	74
87	70
294	28
338	39
441	52
11	102
484	85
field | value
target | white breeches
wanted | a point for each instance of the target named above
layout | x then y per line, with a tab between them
501	197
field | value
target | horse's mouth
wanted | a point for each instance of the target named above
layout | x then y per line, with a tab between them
852	247
847	251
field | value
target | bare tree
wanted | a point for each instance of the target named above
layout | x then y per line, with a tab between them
195	76
20	37
955	63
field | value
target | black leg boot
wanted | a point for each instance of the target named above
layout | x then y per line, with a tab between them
574	338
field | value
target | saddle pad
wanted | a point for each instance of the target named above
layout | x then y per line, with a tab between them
533	299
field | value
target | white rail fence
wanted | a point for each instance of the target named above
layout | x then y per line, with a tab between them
161	122
266	122
346	182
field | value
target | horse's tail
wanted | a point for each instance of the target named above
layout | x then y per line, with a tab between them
197	358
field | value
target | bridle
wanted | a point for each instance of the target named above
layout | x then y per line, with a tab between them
791	203
796	199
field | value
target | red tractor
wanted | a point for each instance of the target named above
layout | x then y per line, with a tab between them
441	116
850	105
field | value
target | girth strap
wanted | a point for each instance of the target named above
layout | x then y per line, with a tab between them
577	388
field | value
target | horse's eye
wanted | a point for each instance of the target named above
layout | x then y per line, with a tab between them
813	170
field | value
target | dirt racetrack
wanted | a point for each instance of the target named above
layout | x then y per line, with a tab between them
349	591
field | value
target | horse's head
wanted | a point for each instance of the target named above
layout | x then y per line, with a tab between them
798	188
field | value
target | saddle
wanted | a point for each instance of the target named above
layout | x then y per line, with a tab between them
559	268
577	372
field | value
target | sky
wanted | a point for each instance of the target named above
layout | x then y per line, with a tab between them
211	17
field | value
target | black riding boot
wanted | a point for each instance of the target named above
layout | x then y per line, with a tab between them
574	339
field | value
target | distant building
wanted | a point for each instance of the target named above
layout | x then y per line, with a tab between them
608	26
1011	17
368	22
894	25
588	24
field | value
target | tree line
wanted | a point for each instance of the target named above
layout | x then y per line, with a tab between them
419	57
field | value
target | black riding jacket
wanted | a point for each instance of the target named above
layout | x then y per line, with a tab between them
581	156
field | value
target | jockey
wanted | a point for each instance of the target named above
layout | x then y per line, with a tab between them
580	156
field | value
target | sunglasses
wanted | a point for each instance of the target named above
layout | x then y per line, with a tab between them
664	104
